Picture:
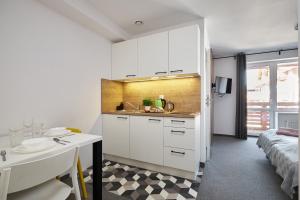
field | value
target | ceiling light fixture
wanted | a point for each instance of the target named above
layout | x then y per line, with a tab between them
138	22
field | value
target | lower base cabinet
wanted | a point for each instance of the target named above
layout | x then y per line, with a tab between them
115	130
146	139
168	141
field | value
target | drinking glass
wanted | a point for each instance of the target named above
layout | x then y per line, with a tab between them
16	137
28	127
38	130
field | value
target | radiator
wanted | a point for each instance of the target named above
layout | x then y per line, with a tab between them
286	120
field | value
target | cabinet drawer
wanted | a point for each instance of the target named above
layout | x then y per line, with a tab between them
179	158
179	137
179	122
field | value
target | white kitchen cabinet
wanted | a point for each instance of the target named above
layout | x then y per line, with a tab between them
179	122
153	55
116	135
180	159
184	50
182	143
125	60
146	139
179	137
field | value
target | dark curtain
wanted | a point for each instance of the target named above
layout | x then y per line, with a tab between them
241	98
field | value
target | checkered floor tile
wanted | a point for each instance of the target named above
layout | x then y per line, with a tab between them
141	184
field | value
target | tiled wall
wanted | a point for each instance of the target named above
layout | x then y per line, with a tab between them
183	92
111	95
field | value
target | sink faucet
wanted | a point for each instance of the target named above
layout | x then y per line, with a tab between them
133	106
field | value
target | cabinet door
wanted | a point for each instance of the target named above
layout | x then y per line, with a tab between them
180	159
146	139
184	50
116	135
124	60
153	55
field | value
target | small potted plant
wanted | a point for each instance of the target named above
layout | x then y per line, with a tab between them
147	104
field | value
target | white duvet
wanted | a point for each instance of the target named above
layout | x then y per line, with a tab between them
283	153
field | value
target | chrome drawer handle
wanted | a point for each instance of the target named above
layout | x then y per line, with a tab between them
174	71
182	132
182	153
122	117
157	120
180	121
156	73
130	75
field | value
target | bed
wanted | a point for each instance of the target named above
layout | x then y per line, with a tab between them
282	151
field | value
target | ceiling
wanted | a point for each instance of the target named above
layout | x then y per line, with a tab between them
154	13
232	25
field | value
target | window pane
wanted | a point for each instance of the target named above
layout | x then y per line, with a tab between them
258	99
258	88
287	87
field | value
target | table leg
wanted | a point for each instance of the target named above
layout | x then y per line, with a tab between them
97	170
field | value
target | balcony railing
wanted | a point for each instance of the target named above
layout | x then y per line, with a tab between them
258	114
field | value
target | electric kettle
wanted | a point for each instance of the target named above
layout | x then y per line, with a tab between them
170	106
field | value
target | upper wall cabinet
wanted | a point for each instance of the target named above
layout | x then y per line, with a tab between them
153	55
166	53
125	60
184	50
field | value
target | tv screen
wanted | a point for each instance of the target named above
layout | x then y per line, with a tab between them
223	85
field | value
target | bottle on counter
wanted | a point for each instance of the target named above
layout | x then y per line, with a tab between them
163	101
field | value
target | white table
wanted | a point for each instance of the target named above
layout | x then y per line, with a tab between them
75	140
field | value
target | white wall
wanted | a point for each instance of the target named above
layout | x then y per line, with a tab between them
50	69
224	107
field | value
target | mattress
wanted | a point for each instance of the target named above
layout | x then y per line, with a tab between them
283	153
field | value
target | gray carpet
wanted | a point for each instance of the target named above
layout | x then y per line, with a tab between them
239	170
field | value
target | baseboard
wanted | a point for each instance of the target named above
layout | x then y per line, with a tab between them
219	134
253	136
153	167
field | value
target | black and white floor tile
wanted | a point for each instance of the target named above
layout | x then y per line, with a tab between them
141	184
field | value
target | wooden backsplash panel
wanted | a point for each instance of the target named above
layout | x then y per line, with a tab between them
111	96
184	92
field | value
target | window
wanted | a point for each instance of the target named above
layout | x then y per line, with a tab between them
272	87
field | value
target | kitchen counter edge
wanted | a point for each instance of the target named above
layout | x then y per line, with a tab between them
192	115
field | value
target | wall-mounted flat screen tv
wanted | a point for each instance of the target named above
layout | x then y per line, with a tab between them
223	85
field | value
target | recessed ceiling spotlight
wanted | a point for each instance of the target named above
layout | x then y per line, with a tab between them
139	22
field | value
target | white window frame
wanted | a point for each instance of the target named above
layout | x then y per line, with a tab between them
273	84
